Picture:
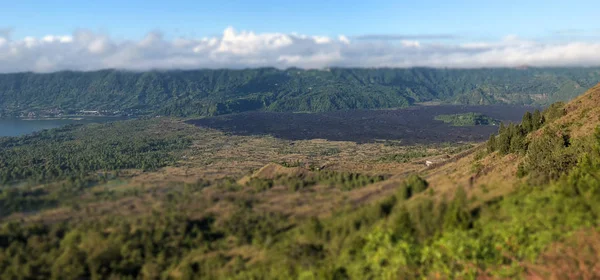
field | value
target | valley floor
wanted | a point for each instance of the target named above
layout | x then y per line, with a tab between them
217	158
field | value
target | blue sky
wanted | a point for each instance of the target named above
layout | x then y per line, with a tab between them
131	19
53	35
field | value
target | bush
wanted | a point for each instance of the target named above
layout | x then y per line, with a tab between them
554	111
457	215
411	186
549	157
259	184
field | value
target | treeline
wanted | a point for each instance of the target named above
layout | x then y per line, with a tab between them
216	92
512	138
549	154
343	180
75	151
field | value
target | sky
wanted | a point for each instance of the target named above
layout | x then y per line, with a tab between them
54	35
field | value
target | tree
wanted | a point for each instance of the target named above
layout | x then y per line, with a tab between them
517	140
403	226
412	185
502	128
458	216
503	141
537	119
527	122
555	111
491	144
549	156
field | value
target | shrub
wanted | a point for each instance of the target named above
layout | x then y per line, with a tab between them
411	186
554	111
549	156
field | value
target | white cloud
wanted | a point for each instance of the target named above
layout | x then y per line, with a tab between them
321	39
86	50
344	39
410	43
30	41
98	46
248	43
60	39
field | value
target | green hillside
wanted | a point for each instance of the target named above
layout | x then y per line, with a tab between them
215	92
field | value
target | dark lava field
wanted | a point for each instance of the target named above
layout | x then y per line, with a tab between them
414	125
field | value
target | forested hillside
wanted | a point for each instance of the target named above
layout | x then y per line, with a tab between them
216	92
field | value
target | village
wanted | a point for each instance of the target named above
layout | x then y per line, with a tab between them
56	113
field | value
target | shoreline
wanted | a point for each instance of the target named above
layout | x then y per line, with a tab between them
71	118
51	119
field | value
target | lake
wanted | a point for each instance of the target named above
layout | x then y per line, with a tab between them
17	127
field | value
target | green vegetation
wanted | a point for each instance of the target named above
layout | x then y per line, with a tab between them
512	138
343	180
395	238
71	159
421	151
218	230
548	156
74	151
217	92
413	185
467	119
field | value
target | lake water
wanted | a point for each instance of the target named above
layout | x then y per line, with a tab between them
17	127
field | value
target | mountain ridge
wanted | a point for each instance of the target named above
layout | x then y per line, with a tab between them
216	92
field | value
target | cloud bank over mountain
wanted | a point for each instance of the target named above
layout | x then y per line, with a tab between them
86	50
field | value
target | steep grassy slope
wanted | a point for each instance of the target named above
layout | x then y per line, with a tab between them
215	92
496	173
582	114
